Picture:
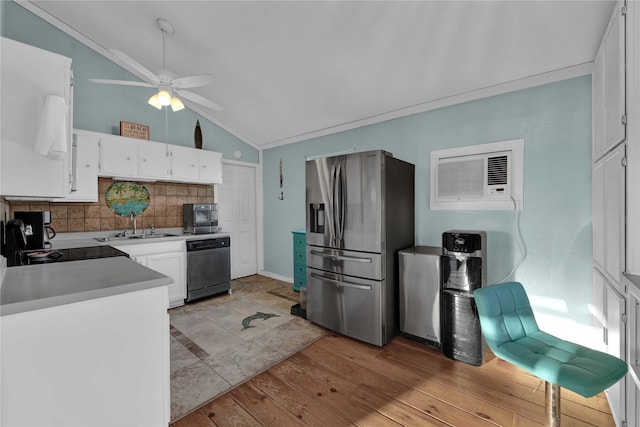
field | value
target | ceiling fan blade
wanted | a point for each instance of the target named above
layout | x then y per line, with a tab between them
199	100
141	69
192	81
121	82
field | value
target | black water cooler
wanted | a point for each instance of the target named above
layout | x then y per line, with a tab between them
463	269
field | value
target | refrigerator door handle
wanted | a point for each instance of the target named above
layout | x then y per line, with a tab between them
342	257
332	196
340	283
340	201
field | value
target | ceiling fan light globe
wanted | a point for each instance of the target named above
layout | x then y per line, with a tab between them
153	101
176	104
164	98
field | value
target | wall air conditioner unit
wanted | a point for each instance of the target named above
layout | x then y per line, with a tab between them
478	177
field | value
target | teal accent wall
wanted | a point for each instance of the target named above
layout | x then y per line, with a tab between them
99	107
555	122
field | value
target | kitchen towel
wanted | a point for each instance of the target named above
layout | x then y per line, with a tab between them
52	130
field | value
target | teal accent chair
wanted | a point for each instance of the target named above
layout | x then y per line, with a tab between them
511	332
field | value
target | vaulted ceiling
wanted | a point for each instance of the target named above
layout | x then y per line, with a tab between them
287	71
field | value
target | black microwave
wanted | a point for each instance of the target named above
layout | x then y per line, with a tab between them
200	218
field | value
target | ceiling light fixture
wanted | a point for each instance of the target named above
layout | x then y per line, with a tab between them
165	97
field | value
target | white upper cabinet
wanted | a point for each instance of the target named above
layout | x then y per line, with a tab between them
190	164
210	164
154	160
133	159
29	76
87	156
609	114
184	163
118	156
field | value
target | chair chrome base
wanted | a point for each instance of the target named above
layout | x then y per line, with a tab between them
552	404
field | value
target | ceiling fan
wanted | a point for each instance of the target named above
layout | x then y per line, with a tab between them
169	86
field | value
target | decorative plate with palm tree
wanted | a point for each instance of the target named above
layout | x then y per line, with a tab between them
125	198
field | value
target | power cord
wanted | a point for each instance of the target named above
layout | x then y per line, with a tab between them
520	240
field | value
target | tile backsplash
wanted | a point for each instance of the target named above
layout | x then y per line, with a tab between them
164	210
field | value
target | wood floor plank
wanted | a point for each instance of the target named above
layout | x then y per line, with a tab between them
196	419
411	378
396	410
333	394
225	412
338	381
437	408
298	403
496	377
264	409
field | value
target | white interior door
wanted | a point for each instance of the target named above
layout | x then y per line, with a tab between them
236	198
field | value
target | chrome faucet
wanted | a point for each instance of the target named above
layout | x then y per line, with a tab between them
133	219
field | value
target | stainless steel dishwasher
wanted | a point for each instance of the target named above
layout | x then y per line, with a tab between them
208	267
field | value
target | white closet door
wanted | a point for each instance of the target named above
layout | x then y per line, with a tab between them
236	198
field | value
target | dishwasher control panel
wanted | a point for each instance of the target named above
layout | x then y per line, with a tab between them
199	245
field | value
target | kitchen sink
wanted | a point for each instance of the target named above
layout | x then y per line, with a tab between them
133	236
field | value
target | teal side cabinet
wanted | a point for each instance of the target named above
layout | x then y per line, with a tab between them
299	259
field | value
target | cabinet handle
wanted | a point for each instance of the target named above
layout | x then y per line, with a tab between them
192	165
144	160
204	166
128	158
88	165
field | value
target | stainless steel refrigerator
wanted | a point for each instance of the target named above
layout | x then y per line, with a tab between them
360	213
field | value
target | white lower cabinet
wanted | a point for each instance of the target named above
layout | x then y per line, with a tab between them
168	258
610	323
101	362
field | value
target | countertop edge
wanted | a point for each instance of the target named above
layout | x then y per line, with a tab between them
30	288
78	297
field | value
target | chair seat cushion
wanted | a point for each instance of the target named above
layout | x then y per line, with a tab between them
572	366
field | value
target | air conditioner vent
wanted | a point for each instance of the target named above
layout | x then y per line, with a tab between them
497	170
478	177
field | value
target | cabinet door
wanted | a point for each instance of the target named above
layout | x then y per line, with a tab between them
597	93
118	157
614	79
173	265
598	214
599	318
614	213
184	163
87	155
210	167
168	258
608	87
154	160
616	346
28	75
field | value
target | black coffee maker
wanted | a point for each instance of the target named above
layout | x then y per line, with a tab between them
37	228
16	242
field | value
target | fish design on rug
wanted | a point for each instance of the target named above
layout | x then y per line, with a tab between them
259	315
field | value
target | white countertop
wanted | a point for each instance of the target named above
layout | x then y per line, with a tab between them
35	287
41	286
79	240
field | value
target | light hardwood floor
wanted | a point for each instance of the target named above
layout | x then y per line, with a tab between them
337	381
